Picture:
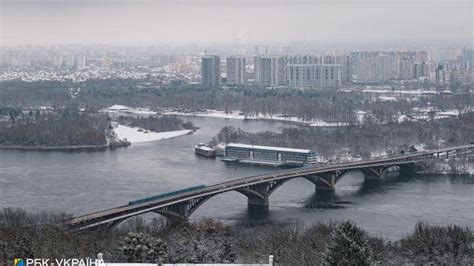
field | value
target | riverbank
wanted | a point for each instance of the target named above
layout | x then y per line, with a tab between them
150	168
239	115
64	148
126	110
137	135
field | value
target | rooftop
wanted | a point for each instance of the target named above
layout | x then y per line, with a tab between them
258	147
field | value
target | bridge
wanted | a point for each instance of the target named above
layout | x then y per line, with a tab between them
258	188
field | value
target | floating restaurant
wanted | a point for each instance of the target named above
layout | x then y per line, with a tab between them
268	155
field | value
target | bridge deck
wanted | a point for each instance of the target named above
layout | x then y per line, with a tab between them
130	210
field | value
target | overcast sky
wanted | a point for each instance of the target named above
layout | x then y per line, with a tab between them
206	21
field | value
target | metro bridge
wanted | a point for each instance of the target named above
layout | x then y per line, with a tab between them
179	205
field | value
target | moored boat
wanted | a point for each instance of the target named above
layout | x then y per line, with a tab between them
204	150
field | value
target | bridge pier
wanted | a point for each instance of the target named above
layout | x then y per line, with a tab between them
257	201
374	172
325	181
259	194
180	212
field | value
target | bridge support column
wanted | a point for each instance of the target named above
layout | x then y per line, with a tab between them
180	212
325	181
176	213
258	194
373	172
257	201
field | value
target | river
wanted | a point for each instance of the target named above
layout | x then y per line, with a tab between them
81	182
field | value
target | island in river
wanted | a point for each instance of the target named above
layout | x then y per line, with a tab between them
73	130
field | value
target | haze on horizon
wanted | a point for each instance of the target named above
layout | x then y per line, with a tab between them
145	22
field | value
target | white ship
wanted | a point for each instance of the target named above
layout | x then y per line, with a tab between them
204	150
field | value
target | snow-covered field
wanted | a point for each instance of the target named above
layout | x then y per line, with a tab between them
133	135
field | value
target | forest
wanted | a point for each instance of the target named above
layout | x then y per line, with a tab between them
361	140
309	104
66	128
69	128
156	124
41	235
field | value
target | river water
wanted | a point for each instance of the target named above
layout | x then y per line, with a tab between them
81	182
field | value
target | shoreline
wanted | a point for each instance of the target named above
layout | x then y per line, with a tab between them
163	136
63	148
133	135
236	115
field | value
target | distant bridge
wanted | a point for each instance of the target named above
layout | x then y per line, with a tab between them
258	188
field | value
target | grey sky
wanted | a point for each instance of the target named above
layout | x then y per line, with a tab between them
163	21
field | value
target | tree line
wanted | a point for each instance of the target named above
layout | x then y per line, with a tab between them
308	105
66	128
156	124
41	235
361	140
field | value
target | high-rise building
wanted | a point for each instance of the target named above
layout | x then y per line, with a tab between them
282	78
422	56
406	62
265	71
211	71
314	75
58	61
344	61
235	66
442	74
80	62
270	71
70	61
420	70
467	58
373	67
304	59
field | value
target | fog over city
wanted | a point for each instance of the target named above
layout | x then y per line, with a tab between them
236	132
228	21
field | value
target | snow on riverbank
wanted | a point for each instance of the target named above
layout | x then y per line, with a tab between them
133	135
128	110
121	109
389	90
239	115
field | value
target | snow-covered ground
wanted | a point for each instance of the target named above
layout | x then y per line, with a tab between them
133	135
418	114
388	90
388	98
239	115
129	110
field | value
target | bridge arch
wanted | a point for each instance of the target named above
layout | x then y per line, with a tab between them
328	180
380	172
258	194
